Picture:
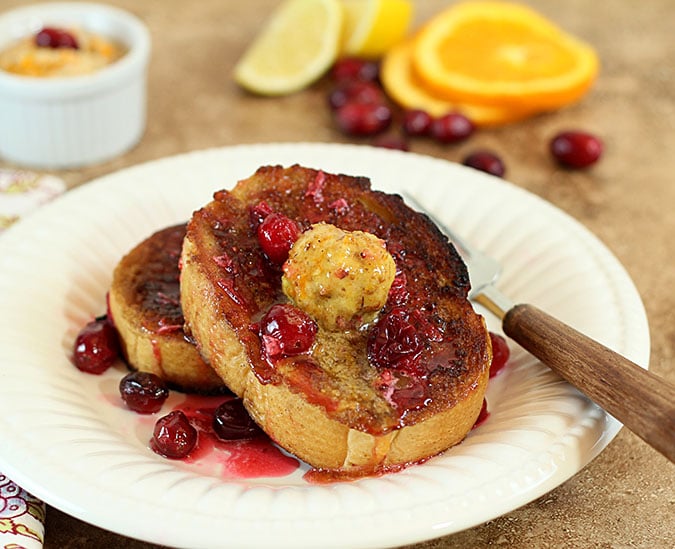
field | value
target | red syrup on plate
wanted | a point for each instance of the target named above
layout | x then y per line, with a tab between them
482	415
236	459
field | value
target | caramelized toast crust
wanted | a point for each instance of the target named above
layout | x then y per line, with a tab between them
144	301
341	405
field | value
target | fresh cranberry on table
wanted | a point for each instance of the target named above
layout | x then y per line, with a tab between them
353	68
416	122
174	436
451	128
355	91
485	161
500	353
232	422
358	118
576	149
391	141
96	347
286	330
276	235
51	37
143	392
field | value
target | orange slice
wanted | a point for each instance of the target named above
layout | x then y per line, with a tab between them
404	87
498	53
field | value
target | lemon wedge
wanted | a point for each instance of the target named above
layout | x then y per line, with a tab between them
372	27
297	45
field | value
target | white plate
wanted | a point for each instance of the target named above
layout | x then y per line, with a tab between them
65	439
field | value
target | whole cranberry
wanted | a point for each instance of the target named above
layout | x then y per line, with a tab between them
416	122
232	422
485	161
143	392
353	68
451	128
96	347
276	235
174	436
357	118
391	141
500	353
355	91
51	37
286	330
576	149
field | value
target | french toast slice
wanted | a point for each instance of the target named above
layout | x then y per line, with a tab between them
144	302
364	398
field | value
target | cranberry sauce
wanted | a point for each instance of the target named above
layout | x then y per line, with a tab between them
483	415
500	353
235	449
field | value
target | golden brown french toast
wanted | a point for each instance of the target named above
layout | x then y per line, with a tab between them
144	301
347	383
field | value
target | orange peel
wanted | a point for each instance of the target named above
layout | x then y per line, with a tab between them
502	54
403	86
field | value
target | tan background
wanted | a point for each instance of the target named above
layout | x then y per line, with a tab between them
625	497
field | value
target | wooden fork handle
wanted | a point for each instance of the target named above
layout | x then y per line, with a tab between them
641	400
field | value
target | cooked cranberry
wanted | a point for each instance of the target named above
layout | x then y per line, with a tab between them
174	436
356	118
143	392
96	347
485	161
355	91
410	393
576	149
394	342
50	37
258	213
286	331
416	122
500	353
232	422
398	292
353	68
391	141
451	128
276	235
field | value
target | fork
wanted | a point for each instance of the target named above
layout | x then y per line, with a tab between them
638	398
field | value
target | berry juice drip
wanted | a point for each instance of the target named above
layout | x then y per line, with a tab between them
247	452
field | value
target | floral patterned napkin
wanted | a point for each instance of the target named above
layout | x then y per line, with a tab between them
22	516
21	192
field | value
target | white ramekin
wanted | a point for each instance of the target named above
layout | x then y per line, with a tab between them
77	120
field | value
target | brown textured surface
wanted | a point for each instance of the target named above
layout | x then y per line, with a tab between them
625	497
